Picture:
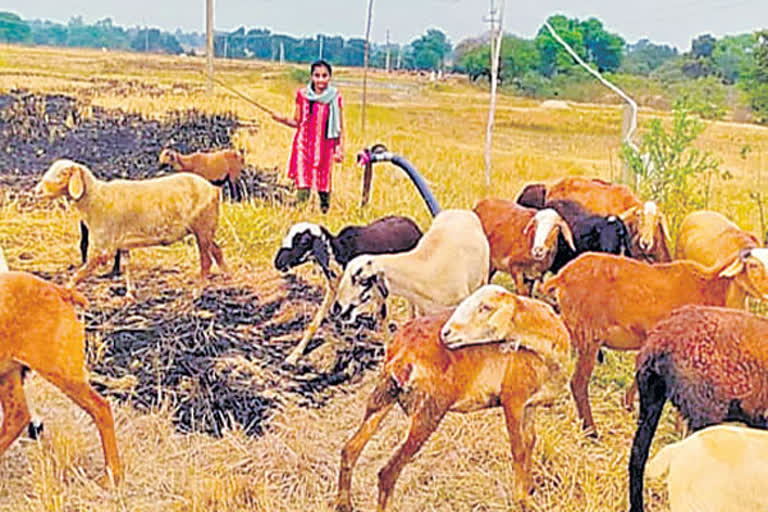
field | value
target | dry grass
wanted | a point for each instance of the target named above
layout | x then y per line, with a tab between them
439	128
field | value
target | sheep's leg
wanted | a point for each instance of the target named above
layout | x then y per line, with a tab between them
379	404
653	394
312	328
86	270
519	420
580	383
128	287
77	388
424	421
83	242
218	256
204	248
15	412
629	395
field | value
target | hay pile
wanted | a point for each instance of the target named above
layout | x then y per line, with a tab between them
216	360
37	129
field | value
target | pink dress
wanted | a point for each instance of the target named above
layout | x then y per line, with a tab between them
312	153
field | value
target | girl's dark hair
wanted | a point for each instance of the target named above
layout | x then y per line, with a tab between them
318	63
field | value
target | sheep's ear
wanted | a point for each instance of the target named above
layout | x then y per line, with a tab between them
320	253
734	268
565	229
664	227
529	226
627	214
75	186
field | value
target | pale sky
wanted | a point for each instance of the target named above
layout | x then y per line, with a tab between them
673	22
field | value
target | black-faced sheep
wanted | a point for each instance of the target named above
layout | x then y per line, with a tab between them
310	242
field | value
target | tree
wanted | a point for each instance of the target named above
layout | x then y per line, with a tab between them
732	55
430	50
702	46
643	57
153	40
553	58
13	29
518	56
754	80
603	48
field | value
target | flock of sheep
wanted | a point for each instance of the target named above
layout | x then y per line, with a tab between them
615	285
470	345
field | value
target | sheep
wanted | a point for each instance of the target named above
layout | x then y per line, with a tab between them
449	263
614	301
41	332
310	242
510	230
645	222
709	237
124	215
712	364
719	469
219	167
588	232
427	380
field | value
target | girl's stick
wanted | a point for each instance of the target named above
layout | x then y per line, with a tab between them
242	96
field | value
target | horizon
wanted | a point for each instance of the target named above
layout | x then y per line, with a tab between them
456	18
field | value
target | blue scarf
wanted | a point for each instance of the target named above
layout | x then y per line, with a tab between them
328	97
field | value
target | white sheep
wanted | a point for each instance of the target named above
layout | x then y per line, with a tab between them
449	263
125	215
718	469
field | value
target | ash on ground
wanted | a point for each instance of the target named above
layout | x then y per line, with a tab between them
37	129
218	360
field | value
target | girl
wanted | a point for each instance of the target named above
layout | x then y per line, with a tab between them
319	135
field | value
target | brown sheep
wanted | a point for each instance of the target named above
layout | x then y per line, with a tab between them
646	224
614	301
709	237
510	229
219	167
40	331
427	380
712	364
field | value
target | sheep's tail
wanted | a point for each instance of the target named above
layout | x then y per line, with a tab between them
652	389
3	263
72	296
660	462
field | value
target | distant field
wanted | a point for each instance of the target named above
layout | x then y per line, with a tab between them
440	128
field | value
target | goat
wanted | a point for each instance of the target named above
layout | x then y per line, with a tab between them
510	230
124	215
614	301
533	196
40	331
310	242
718	469
449	263
709	237
427	380
219	167
712	364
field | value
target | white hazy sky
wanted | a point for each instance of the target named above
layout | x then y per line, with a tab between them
673	22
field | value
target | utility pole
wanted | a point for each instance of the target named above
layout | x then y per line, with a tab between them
209	43
495	18
282	52
386	63
365	64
